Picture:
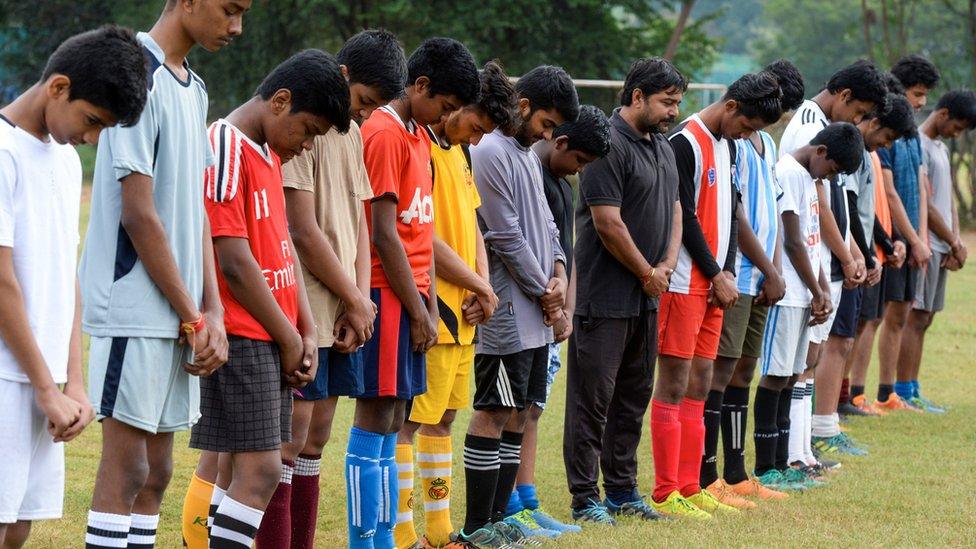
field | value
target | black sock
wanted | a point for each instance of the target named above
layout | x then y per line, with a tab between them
786	397
735	418
510	456
713	425
856	391
766	434
884	391
480	478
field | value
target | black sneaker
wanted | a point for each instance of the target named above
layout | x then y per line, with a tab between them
848	409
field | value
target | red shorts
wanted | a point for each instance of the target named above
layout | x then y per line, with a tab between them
688	326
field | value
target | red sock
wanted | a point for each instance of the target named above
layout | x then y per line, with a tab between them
665	442
692	420
275	530
845	391
304	501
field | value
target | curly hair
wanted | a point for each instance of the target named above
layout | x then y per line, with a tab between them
914	70
790	81
107	67
757	95
864	80
893	84
590	133
498	98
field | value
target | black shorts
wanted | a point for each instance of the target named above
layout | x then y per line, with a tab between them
245	405
900	283
511	381
848	313
873	299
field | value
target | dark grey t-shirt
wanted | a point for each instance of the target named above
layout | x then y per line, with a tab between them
638	176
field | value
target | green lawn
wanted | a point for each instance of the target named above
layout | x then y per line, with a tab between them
916	488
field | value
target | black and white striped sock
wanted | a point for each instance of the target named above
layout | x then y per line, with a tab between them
480	478
107	530
510	457
215	498
142	531
234	525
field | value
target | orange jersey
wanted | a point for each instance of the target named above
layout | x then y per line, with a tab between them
398	164
881	210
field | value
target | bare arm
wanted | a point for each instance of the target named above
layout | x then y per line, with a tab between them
829	230
616	238
452	268
750	245
923	210
363	265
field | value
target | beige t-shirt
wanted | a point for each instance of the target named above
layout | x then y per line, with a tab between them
334	171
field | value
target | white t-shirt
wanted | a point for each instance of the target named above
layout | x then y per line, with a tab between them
806	123
40	195
799	196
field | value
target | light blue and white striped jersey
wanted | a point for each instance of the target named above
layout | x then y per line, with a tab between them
169	144
760	191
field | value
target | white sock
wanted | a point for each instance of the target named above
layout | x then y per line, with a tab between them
107	530
215	498
286	473
823	426
235	523
142	530
797	423
808	432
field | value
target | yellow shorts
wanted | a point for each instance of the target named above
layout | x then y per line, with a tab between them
448	377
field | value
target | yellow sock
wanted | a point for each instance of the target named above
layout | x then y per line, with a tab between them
434	463
196	505
404	533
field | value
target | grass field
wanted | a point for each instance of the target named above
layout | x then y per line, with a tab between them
915	489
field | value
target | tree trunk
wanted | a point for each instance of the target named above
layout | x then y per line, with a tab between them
867	17
679	28
885	33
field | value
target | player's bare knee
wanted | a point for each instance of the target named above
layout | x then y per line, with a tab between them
535	413
15	535
158	478
318	435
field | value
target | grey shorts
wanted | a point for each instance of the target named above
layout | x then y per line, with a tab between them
742	329
930	285
245	405
785	341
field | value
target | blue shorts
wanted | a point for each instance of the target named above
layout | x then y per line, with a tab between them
848	313
390	367
555	364
339	374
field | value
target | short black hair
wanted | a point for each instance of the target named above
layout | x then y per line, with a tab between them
651	75
548	87
913	70
900	116
894	85
589	133
449	66
374	58
864	80
790	81
498	98
316	85
757	95
844	143
961	105
107	67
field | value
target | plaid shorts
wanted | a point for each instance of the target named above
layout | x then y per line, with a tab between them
244	406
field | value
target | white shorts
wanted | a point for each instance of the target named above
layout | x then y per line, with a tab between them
785	341
32	474
140	381
820	332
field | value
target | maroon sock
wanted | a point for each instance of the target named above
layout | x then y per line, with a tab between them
304	501
845	391
275	530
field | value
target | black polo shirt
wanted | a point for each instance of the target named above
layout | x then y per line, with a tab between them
559	195
638	176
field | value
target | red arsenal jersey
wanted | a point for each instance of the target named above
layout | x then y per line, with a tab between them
245	199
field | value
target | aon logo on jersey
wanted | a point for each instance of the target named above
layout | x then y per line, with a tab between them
421	209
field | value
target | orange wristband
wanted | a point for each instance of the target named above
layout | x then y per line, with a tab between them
194	327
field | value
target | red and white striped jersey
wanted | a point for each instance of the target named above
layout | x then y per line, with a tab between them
706	183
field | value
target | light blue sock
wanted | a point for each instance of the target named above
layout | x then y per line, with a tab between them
362	487
528	496
915	389
389	492
514	504
904	389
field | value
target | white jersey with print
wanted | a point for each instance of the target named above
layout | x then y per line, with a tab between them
800	197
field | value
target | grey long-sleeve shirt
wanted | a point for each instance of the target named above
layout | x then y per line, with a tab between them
521	239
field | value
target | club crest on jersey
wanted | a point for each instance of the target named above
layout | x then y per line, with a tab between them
438	489
711	177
